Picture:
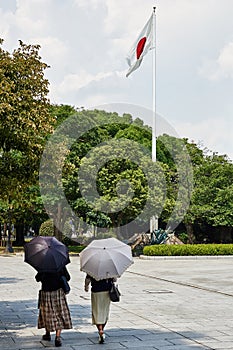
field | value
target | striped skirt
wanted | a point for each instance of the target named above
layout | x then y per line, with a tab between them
100	304
53	311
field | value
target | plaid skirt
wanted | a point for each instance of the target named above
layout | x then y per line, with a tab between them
53	311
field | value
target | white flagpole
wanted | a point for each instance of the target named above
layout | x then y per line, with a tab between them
154	219
154	88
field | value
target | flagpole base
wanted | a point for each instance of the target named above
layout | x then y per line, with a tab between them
153	224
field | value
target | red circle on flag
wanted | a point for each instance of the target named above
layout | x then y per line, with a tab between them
140	47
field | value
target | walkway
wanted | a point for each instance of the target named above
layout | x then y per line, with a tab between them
166	304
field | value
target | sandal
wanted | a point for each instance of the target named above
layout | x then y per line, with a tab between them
101	337
46	336
58	341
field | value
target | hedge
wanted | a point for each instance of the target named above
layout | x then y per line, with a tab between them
76	248
72	249
188	249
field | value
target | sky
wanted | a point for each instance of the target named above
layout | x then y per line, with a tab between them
85	43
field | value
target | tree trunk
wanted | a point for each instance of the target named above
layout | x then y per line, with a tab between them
58	223
189	229
19	229
225	234
57	233
4	229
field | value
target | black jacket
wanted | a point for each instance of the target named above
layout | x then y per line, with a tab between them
52	281
100	286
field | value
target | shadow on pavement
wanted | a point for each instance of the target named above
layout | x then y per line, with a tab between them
7	280
18	329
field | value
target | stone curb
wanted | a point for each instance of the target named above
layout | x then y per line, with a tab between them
185	257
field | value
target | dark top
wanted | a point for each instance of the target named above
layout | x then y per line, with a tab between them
52	281
100	286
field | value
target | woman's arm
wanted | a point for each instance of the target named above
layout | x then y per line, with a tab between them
86	283
66	273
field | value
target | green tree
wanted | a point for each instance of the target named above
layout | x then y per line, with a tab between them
178	169
212	200
61	112
112	172
25	120
182	164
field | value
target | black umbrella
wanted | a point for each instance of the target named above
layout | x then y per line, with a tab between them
46	254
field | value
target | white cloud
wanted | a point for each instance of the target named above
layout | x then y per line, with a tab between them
31	17
53	50
73	83
126	17
88	4
28	20
215	134
5	23
85	43
222	67
78	81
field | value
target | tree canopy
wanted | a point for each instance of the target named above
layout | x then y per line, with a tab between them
25	122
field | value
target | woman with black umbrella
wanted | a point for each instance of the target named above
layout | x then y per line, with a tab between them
49	257
54	314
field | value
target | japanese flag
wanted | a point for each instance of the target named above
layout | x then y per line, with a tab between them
141	46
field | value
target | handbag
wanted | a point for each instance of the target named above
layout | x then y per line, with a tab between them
65	284
114	293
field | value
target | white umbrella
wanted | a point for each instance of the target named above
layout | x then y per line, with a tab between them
106	258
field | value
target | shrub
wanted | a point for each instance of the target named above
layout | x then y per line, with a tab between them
188	249
183	236
76	248
46	228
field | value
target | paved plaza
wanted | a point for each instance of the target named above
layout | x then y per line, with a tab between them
166	304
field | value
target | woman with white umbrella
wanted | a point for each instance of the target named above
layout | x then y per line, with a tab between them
100	302
103	260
